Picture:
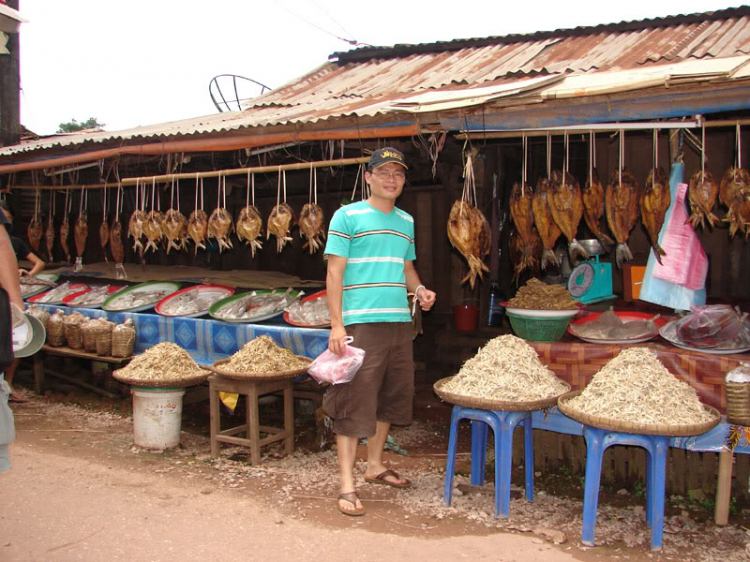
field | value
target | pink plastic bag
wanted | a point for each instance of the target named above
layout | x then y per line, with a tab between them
685	263
337	369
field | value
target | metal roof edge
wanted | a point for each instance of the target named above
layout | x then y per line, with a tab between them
402	50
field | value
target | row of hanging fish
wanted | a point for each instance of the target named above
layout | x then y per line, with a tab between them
556	205
733	192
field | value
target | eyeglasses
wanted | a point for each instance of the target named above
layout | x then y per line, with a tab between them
383	175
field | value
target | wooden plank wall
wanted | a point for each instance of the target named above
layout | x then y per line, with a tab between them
625	466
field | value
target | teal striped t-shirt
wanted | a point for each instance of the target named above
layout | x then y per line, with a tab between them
376	246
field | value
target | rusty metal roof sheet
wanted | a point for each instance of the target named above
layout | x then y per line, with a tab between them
366	82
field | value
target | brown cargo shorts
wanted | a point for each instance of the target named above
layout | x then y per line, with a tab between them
383	388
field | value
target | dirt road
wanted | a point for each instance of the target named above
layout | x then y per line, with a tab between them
60	508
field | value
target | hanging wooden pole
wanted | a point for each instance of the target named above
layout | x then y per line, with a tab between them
167	178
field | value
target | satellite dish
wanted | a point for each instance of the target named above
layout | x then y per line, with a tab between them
224	90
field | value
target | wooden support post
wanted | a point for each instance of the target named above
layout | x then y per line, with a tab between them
723	487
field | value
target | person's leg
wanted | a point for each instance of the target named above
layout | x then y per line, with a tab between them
347	453
9	373
375	448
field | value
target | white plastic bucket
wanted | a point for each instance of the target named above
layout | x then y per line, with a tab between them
157	417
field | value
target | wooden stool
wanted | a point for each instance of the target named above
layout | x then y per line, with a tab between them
252	390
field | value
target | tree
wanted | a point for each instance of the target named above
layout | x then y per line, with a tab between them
74	125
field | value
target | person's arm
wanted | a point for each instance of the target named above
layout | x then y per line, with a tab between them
9	270
335	294
426	297
37	265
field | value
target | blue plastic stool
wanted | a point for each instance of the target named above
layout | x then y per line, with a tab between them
502	424
597	441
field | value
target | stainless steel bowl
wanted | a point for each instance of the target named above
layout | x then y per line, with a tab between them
592	246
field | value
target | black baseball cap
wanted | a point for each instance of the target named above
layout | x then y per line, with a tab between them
384	156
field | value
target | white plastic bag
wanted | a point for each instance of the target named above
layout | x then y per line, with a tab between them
337	369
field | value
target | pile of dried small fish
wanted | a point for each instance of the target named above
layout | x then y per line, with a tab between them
255	305
536	295
57	294
138	298
191	302
163	362
95	296
262	355
636	387
311	312
506	369
609	326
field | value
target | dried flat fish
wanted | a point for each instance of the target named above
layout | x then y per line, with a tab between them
566	205
138	298
249	227
545	223
311	226
255	305
191	302
95	296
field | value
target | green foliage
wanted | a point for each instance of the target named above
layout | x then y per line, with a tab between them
73	125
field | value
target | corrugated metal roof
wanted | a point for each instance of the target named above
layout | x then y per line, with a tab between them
366	82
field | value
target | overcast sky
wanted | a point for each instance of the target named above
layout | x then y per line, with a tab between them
140	62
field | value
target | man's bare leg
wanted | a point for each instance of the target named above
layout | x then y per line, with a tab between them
347	453
375	447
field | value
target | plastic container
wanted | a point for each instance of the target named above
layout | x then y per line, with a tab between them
466	317
157	417
538	329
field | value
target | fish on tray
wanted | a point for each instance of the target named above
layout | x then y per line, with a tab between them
95	296
191	302
138	298
57	294
621	202
255	305
609	326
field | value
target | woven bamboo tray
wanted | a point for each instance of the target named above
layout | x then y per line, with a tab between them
280	375
610	424
489	404
162	383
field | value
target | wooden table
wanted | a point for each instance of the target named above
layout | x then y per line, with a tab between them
67	352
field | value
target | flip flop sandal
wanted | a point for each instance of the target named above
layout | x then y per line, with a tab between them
351	497
381	480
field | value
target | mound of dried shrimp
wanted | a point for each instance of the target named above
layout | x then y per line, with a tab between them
537	295
506	369
164	362
262	355
636	387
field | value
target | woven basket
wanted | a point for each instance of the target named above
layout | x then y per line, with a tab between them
103	336
56	331
489	404
537	328
88	331
74	335
40	314
738	403
640	428
123	342
182	382
280	375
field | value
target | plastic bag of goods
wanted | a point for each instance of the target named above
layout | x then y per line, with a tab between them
714	326
123	339
56	329
337	369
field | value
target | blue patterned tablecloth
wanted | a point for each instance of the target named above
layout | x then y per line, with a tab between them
208	340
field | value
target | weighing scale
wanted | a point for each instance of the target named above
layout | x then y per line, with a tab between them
591	281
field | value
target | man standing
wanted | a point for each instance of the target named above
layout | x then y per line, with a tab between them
371	254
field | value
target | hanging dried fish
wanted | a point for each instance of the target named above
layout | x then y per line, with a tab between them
702	193
545	223
115	237
220	222
566	205
36	228
197	227
104	227
249	223
655	201
734	192
137	219
311	217
622	198
49	233
65	227
281	219
593	198
468	229
174	226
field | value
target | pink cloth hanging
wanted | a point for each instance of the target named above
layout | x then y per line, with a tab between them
686	263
